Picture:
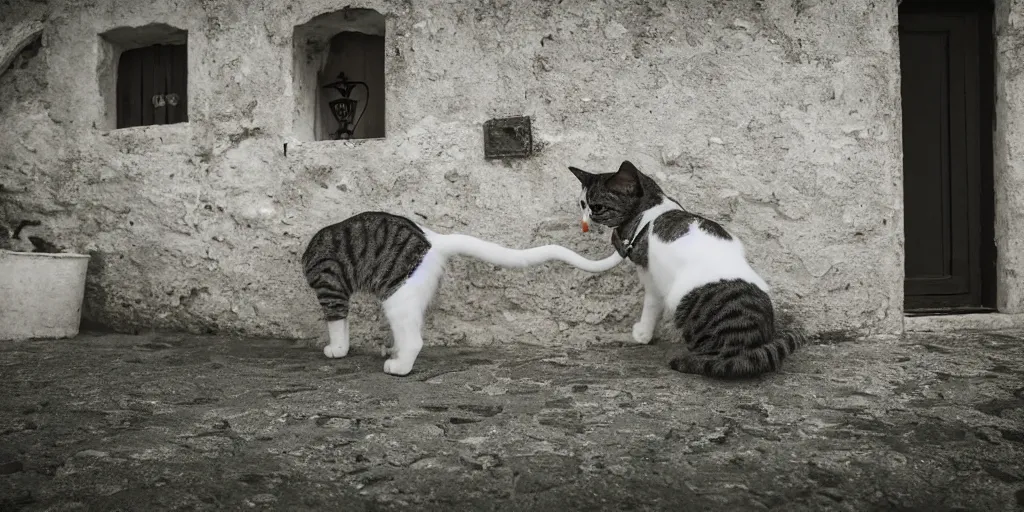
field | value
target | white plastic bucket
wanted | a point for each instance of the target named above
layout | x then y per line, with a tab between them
41	294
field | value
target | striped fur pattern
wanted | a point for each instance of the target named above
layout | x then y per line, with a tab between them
401	263
729	328
694	268
370	252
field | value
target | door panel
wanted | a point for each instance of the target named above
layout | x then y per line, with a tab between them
943	164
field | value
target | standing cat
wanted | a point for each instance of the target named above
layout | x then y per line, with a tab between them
693	267
401	263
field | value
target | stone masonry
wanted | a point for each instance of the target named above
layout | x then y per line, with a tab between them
778	119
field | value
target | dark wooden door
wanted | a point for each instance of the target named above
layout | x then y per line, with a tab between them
946	74
152	86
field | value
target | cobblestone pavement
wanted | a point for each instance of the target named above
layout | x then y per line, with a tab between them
167	421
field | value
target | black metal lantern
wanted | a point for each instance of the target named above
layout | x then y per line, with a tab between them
344	109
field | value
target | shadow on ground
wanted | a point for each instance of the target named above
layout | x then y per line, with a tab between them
934	422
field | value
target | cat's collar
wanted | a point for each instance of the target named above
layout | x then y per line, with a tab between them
627	249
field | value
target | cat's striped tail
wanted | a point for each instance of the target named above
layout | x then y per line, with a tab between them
747	362
465	245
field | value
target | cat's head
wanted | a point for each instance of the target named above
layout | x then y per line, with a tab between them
610	198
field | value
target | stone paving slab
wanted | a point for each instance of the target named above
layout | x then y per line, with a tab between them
180	422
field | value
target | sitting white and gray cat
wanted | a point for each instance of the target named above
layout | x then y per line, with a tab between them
695	269
401	262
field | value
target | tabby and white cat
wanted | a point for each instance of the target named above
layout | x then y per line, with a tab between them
694	268
401	262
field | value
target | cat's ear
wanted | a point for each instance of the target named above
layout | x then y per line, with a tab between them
628	167
586	179
626	181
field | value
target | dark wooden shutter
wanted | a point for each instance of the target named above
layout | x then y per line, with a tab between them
946	175
148	73
175	60
129	88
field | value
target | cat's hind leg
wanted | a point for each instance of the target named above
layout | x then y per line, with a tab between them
405	310
406	327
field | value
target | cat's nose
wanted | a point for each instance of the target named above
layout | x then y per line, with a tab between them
585	225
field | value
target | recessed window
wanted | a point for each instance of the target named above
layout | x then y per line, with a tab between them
22	53
338	76
144	76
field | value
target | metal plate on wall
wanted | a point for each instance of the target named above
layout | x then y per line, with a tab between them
510	137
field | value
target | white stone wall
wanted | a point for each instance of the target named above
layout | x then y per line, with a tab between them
779	119
1008	162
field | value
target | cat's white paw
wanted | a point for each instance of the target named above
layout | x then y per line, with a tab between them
642	334
397	367
334	351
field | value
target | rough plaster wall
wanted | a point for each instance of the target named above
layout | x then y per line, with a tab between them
1009	154
778	118
15	38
